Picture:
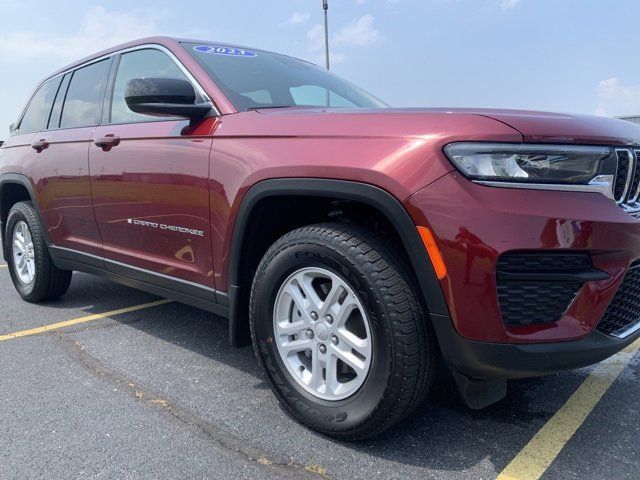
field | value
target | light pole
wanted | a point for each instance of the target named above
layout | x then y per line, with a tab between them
325	7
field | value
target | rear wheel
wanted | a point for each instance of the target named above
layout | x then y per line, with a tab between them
34	275
339	330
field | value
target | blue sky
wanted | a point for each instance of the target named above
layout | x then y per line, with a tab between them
558	55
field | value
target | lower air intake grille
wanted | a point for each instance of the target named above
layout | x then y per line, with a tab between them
537	287
623	313
534	303
543	261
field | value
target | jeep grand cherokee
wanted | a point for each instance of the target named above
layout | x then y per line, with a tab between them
351	243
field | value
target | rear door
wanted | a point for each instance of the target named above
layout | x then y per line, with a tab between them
58	161
150	182
65	160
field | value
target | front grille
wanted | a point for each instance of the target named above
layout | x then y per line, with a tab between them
623	175
623	314
634	189
536	287
626	184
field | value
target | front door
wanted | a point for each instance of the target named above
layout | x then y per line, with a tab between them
150	183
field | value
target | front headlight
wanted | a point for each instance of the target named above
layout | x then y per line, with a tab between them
551	165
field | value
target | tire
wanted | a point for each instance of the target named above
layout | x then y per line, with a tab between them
47	282
403	350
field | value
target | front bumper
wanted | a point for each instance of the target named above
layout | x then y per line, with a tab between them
489	361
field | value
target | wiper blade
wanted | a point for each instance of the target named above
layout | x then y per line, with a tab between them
268	107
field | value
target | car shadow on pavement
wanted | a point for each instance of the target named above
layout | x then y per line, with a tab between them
443	434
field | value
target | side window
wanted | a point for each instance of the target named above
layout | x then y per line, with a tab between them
148	63
83	104
54	119
37	114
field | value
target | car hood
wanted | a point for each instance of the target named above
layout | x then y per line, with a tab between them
538	127
565	128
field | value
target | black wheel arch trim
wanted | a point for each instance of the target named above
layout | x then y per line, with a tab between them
22	180
368	194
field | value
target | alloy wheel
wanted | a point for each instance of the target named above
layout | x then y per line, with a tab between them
23	253
322	333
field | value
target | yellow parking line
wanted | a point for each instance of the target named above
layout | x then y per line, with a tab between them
3	266
88	318
536	457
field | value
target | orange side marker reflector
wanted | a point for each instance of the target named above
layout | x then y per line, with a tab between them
434	252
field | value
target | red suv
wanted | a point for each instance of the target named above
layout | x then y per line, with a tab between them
351	243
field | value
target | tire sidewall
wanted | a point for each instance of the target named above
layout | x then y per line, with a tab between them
333	416
22	213
15	217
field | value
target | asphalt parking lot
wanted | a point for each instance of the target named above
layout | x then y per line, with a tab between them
157	392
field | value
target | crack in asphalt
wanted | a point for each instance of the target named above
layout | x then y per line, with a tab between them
246	451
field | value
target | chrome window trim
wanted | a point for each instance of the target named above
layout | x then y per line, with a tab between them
145	46
187	73
48	79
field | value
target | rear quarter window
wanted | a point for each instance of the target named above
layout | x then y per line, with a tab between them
36	116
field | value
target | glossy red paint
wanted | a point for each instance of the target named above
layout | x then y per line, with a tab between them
565	128
59	174
166	185
397	151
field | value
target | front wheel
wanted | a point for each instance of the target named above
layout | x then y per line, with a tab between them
34	275
337	326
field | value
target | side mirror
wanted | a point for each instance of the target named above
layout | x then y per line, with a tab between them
164	97
12	128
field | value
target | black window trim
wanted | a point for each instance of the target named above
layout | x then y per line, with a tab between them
65	78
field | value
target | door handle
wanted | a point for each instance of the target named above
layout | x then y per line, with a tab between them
107	142
40	145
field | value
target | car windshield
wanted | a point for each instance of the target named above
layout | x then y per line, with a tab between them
254	79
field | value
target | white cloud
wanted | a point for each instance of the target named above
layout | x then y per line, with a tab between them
315	37
359	32
614	98
298	18
507	4
99	29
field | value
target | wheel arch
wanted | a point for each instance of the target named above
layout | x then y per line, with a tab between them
372	196
16	188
